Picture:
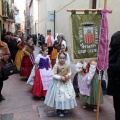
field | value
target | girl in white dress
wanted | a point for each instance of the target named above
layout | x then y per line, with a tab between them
61	94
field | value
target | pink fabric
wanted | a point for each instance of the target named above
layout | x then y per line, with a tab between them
102	61
46	77
84	88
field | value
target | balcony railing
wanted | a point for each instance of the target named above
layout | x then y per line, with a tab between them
5	8
7	11
11	13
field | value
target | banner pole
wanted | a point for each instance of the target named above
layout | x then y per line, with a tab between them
105	4
99	91
99	83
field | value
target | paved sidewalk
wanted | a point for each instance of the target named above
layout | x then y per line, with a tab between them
21	105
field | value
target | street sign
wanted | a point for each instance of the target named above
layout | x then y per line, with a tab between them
50	16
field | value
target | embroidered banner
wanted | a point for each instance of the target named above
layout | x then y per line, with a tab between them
85	28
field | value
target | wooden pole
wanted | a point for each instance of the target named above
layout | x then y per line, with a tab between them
98	99
99	83
105	4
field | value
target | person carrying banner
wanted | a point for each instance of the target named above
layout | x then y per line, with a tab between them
49	41
89	86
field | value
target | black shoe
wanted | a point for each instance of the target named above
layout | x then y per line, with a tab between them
2	98
66	111
77	94
60	113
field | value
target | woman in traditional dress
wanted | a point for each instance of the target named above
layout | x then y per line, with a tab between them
28	59
20	53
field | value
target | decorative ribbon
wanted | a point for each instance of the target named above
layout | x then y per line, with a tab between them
102	60
32	58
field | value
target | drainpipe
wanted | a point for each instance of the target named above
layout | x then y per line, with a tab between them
54	24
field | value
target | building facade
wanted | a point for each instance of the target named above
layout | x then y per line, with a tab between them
7	15
63	23
27	17
33	7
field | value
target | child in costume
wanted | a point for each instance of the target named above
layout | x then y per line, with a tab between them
80	69
32	74
43	73
89	87
67	55
61	94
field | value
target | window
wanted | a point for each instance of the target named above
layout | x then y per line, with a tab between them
94	4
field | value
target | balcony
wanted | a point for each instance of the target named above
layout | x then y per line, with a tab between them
5	9
11	14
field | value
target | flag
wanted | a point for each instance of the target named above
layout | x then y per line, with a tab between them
89	38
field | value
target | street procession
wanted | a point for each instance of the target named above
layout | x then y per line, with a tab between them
59	60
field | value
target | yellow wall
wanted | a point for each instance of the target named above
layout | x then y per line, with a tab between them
0	8
0	14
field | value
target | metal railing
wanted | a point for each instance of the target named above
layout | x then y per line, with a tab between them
7	10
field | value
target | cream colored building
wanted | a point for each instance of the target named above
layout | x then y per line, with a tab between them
63	18
114	18
33	8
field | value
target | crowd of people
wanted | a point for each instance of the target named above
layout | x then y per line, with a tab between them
50	73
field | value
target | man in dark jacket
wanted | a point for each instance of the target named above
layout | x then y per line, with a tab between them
114	73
